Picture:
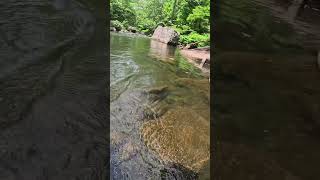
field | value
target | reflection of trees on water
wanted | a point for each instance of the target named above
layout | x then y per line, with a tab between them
161	50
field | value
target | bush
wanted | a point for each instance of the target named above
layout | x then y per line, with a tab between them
183	30
199	19
147	26
201	39
122	12
125	24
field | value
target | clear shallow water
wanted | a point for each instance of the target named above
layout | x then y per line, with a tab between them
148	80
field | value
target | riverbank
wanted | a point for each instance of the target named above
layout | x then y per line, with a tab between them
128	33
200	57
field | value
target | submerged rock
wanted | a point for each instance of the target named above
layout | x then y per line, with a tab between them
180	136
178	172
166	35
117	137
202	86
158	90
128	150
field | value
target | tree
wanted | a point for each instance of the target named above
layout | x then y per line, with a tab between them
199	19
191	19
122	11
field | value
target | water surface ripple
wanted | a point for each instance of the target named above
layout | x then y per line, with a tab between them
52	103
148	80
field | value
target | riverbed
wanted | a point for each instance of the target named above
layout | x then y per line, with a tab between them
159	112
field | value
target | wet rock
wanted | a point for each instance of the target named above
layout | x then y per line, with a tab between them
127	151
202	86
180	46
191	46
177	172
180	136
117	28
166	35
132	29
158	90
155	109
157	94
117	137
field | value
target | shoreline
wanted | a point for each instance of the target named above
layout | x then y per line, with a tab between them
199	57
137	34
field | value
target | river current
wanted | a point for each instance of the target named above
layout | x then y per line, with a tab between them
159	112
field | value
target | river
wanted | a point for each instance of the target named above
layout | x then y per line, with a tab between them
53	103
159	112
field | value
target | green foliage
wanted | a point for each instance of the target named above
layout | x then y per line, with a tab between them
189	17
183	30
201	39
122	11
147	26
199	19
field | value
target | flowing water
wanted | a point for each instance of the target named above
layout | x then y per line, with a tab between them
159	112
52	90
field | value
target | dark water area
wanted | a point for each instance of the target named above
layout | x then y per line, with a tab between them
260	25
159	112
53	103
266	95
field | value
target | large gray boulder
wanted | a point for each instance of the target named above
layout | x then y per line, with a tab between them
166	35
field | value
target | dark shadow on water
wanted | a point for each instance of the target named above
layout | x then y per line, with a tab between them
266	97
53	115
